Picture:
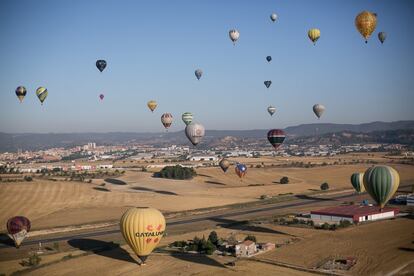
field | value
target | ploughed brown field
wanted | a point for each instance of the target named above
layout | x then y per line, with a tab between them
60	203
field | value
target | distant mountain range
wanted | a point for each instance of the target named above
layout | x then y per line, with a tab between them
35	141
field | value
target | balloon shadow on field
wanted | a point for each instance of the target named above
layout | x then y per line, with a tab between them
313	198
214	182
115	181
6	240
245	226
197	258
107	249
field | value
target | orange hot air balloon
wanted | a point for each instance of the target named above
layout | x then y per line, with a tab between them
365	23
142	228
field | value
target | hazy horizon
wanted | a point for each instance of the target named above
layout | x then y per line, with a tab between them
152	49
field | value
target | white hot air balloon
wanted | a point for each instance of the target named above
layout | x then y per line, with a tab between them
234	35
318	109
194	132
273	17
271	110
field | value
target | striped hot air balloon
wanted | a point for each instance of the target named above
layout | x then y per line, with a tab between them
314	35
41	93
142	229
381	183
187	118
166	120
357	181
276	137
18	227
271	110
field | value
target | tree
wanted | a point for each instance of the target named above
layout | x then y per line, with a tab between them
213	237
284	180
324	186
250	238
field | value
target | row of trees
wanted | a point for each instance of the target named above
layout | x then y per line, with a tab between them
176	172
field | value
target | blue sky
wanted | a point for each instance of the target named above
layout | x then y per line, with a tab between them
153	47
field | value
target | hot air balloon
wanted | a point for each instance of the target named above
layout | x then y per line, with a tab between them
195	133
314	35
142	229
234	35
365	23
101	96
382	36
357	181
273	17
224	164
267	83
41	93
318	109
21	92
241	170
101	64
198	73
271	110
152	105
269	58
18	227
187	118
276	137
166	120
381	183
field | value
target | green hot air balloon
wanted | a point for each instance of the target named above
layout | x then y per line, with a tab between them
41	93
381	182
187	118
357	181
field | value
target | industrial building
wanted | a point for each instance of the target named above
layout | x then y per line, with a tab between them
352	213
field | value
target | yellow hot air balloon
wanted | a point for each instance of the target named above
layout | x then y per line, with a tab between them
142	228
314	35
366	22
152	105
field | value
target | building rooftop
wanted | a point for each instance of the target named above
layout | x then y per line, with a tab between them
248	242
352	210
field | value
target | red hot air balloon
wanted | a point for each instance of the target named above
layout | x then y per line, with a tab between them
18	227
276	137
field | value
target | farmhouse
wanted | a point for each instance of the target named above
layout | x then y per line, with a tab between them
245	249
352	213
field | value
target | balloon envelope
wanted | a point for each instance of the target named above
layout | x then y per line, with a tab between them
382	36
269	58
18	227
381	183
273	17
318	109
21	92
240	170
357	181
166	119
101	64
152	105
267	83
276	137
234	35
198	73
224	164
187	118
142	229
102	96
365	22
314	35
195	133
41	93
271	110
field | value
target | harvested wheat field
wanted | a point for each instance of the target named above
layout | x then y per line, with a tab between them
61	203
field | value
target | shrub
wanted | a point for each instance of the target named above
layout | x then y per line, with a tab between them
324	186
284	180
258	166
179	244
213	237
34	260
326	226
250	238
176	172
28	178
344	223
56	246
